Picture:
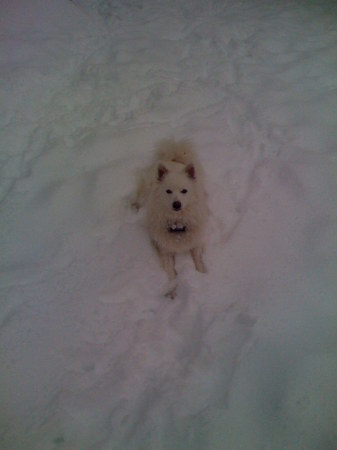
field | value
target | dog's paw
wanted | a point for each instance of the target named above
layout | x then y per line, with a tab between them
135	206
172	293
201	267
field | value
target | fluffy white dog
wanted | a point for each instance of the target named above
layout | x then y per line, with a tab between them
173	193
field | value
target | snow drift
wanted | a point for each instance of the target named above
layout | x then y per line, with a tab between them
93	356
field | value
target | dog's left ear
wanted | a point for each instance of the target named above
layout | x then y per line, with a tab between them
190	171
161	172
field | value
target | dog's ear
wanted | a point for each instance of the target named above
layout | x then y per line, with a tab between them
190	171
162	171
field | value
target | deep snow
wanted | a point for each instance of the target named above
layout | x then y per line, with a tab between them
92	355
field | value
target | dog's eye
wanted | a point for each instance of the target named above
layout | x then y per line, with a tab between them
168	191
184	191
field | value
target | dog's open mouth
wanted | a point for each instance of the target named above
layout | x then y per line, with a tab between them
177	228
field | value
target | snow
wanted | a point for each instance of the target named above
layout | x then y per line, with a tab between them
93	355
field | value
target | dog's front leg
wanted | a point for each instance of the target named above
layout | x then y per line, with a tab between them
168	264
198	261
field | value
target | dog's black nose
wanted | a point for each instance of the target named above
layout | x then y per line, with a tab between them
176	206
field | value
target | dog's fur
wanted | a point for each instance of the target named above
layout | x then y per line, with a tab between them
172	190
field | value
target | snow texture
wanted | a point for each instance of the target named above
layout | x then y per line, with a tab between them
93	356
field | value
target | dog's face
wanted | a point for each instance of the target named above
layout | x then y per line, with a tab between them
176	186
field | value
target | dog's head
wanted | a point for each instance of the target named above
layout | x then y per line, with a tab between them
176	185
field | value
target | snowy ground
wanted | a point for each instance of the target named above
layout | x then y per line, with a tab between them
92	355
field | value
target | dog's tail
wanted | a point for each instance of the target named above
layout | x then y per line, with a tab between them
176	151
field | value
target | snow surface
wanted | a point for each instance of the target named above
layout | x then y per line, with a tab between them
92	355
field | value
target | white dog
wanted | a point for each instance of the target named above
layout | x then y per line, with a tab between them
174	196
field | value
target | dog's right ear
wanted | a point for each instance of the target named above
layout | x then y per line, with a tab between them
162	171
190	171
